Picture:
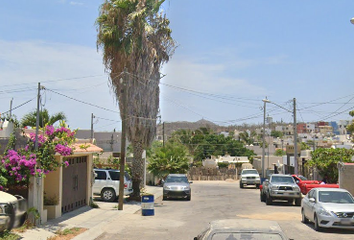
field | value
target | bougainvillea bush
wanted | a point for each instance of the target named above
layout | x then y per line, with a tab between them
17	166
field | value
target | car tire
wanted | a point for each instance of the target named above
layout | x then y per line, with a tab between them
108	195
164	198
262	197
317	227
241	185
257	186
298	201
269	200
303	217
290	201
189	197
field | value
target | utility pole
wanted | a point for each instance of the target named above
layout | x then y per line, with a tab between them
295	139
124	91
163	134
11	107
37	188
92	117
263	136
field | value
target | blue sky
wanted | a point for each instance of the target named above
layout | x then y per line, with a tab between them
231	54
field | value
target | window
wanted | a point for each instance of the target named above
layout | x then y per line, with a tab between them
101	175
114	175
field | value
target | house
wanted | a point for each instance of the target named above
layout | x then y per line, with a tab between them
66	188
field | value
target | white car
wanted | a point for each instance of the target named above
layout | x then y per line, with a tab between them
13	211
107	184
250	177
328	208
242	229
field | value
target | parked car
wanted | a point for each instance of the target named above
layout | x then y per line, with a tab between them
107	184
250	177
177	186
280	187
328	208
13	211
242	229
306	185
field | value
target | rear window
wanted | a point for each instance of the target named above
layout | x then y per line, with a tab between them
114	175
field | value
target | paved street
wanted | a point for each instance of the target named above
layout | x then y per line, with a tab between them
179	219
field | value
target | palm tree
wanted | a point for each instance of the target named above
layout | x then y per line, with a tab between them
136	41
29	119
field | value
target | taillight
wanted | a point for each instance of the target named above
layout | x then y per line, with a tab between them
125	185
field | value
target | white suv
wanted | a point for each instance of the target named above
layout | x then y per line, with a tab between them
250	177
107	184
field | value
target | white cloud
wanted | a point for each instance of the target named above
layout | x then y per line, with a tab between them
76	3
209	77
25	63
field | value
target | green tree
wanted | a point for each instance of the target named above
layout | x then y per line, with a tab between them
172	158
326	161
136	41
276	134
29	119
305	146
279	152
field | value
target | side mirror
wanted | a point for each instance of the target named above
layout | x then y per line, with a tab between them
312	200
191	182
267	180
297	181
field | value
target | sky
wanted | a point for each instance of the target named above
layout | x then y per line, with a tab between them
230	55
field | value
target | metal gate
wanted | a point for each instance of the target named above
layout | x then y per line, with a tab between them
74	184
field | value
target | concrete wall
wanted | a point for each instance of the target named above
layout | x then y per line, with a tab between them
346	176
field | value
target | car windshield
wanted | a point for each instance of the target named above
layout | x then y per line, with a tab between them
176	179
302	177
335	197
246	236
251	171
282	179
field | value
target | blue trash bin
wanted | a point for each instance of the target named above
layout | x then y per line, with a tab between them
147	205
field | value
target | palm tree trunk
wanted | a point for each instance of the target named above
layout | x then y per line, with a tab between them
137	170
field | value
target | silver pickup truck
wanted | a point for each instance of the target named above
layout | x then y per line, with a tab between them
280	187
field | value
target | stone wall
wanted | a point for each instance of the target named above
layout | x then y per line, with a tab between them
207	174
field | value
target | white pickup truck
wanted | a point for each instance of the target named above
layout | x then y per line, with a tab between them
250	177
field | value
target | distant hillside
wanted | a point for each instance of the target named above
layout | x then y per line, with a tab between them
174	126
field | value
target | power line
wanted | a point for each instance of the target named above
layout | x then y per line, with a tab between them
90	104
19	105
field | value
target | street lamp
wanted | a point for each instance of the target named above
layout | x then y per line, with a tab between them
352	20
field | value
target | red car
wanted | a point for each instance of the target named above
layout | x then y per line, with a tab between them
306	185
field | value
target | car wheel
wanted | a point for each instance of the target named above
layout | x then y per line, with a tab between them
241	185
269	200
303	217
257	186
317	227
189	197
23	219
164	198
290	201
108	195
262	197
298	201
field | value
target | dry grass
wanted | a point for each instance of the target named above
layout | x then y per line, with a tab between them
67	234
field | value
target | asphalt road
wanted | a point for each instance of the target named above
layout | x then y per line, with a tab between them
180	219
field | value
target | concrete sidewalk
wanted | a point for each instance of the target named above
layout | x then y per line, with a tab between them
92	219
